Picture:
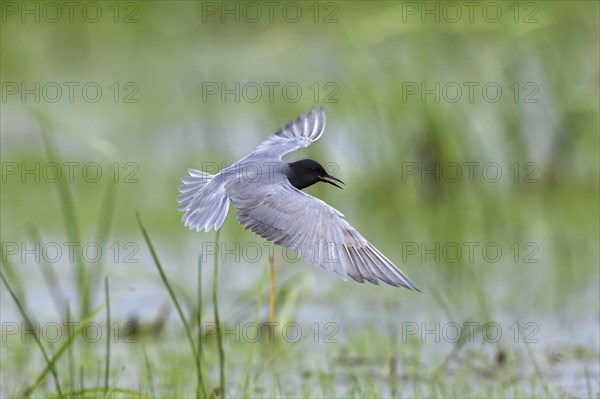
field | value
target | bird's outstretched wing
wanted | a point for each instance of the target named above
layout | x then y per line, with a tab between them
315	231
296	134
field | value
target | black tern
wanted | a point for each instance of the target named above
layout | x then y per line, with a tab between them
265	190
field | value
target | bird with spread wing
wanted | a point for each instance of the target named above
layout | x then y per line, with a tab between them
266	192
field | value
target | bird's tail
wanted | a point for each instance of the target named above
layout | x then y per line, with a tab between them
204	201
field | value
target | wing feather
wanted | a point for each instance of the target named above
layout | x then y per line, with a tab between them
315	231
298	133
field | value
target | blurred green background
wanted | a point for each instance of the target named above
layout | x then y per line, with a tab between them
409	87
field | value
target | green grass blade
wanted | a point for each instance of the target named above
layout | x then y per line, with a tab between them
81	383
200	381
167	285
106	213
70	220
71	355
97	391
102	233
50	278
49	363
107	364
93	141
148	368
11	273
217	320
76	331
110	391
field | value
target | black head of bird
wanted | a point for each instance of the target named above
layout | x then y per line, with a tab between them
306	172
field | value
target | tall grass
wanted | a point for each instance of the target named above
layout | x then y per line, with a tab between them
50	362
200	389
167	284
108	338
271	293
67	346
196	350
221	390
67	205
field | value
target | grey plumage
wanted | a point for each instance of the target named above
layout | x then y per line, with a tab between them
270	206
